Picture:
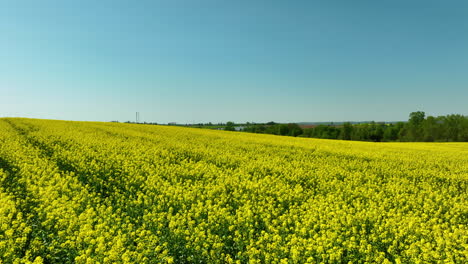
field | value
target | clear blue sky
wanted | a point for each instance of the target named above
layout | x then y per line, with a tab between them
200	61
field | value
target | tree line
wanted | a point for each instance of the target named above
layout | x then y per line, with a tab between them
418	128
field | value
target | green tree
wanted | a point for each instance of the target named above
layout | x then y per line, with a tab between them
431	129
414	131
376	133
347	131
416	118
294	130
453	125
230	126
283	129
391	132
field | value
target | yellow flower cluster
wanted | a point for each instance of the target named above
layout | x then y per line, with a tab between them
89	192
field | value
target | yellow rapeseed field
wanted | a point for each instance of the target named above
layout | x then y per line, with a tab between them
89	192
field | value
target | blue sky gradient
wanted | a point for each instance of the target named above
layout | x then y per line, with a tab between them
200	61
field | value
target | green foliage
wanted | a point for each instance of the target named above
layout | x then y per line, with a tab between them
347	131
418	128
230	126
416	118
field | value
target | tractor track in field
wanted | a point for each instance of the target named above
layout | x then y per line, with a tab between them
25	202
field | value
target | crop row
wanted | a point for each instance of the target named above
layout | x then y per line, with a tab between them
83	192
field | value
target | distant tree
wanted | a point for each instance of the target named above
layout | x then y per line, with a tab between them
362	132
430	129
320	131
418	128
414	126
327	132
308	132
376	133
260	128
402	134
272	129
388	136
294	130
416	118
453	127
391	132
347	131
463	134
230	126
283	129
